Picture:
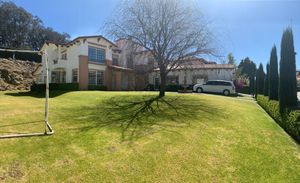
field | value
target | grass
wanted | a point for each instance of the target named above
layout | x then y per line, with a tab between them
205	138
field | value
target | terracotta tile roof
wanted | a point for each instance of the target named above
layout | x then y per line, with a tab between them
205	66
198	61
211	66
118	68
81	37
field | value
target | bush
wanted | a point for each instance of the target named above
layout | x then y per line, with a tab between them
55	87
149	87
243	89
289	119
173	88
97	87
169	88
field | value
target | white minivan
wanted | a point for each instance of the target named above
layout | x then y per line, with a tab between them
216	86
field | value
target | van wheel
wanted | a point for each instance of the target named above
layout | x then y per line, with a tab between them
199	90
226	92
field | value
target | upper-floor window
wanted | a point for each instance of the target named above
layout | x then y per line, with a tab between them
115	60
129	61
96	54
64	56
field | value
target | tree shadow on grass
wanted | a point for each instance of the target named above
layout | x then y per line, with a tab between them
144	115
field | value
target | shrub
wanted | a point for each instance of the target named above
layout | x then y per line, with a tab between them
55	87
173	88
289	119
243	89
149	87
169	88
97	87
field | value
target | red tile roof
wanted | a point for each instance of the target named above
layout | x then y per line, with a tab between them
204	66
118	68
81	37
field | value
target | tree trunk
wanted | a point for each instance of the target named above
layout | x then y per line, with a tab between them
162	84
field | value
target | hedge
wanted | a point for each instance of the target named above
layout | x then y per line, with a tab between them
97	87
55	87
243	89
170	88
289	120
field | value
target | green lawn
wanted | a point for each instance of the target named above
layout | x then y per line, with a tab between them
201	138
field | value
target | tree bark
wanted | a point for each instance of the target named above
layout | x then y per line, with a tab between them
162	89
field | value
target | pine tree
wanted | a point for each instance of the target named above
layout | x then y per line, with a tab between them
287	78
266	82
273	75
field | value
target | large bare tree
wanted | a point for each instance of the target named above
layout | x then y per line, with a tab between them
172	30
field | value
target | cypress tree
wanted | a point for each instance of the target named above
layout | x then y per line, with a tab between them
260	80
256	83
273	75
287	78
266	82
252	84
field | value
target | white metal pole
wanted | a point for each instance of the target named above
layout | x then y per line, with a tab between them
47	93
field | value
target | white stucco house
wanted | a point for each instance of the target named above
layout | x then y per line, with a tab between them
94	60
195	71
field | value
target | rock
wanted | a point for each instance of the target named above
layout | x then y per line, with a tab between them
17	74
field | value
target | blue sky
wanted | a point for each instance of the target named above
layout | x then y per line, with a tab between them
243	27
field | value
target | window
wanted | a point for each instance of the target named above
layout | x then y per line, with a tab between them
96	54
99	78
75	76
224	83
210	83
92	77
64	56
58	76
172	80
115	60
129	61
95	77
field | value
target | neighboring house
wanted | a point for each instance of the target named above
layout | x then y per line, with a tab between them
94	60
195	71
